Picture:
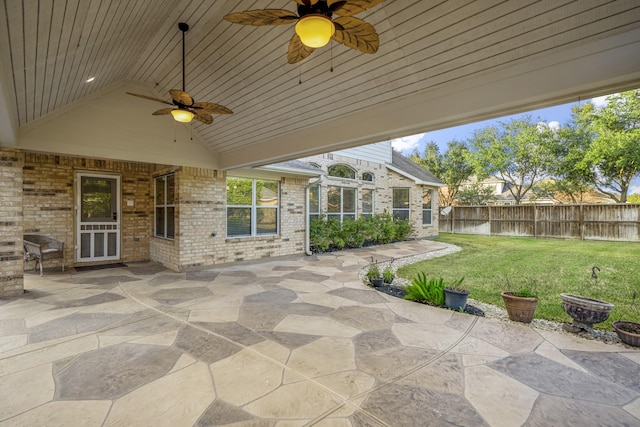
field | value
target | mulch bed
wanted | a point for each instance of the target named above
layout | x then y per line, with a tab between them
398	292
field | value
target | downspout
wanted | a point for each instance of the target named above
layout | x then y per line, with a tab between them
307	239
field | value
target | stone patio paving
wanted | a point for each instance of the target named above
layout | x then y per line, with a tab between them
289	342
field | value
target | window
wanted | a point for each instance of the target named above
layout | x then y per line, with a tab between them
341	202
341	171
401	203
314	202
165	194
426	207
367	203
252	207
367	177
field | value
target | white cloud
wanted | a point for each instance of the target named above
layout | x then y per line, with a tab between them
554	125
406	144
600	101
633	189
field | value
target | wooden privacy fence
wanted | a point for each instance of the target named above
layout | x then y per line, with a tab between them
619	222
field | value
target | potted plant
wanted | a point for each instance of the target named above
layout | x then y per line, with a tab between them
627	331
521	304
430	291
374	275
388	276
455	296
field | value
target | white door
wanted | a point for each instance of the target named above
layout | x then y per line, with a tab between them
98	217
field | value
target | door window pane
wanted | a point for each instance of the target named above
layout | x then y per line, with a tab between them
98	199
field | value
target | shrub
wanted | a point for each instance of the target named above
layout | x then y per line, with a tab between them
329	234
373	272
387	275
426	290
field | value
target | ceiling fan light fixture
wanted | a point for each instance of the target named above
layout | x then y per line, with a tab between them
315	30
182	116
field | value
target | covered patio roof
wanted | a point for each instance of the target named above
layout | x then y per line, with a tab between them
440	63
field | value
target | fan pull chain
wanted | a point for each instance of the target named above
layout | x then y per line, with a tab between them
175	137
331	50
191	130
299	73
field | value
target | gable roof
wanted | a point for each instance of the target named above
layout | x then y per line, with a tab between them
411	170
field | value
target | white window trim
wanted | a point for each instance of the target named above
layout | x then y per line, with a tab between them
254	212
373	203
342	213
393	210
430	209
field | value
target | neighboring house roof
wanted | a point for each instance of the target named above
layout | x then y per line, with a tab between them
411	170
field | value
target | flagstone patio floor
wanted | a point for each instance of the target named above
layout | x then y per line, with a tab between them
293	341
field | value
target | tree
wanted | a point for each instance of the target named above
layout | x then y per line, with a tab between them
453	167
520	152
613	157
474	194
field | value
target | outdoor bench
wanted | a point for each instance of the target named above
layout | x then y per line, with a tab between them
42	248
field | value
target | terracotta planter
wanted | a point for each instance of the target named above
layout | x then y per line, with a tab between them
624	331
519	309
584	311
454	299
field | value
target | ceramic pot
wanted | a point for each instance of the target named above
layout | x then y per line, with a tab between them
624	331
519	309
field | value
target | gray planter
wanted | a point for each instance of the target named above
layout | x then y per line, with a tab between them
454	299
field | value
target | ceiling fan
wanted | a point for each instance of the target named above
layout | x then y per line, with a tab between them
315	25
186	108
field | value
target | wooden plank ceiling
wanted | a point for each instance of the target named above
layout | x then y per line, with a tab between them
51	47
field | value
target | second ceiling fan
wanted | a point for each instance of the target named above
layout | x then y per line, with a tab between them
315	25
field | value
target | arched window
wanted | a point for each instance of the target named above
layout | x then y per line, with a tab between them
341	171
367	177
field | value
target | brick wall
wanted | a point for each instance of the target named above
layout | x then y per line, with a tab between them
11	223
201	213
49	200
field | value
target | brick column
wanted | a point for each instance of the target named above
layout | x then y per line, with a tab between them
11	223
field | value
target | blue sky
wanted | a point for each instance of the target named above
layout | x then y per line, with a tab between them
560	114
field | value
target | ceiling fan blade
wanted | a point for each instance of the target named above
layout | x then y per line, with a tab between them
202	116
356	34
162	112
305	2
263	17
150	98
297	50
212	108
181	97
352	7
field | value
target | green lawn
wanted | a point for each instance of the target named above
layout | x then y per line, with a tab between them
490	264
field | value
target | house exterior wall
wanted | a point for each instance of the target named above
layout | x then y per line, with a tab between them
11	223
46	183
49	200
201	231
384	181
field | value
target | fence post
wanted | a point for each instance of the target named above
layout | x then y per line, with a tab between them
452	220
535	221
581	221
490	224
